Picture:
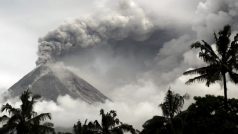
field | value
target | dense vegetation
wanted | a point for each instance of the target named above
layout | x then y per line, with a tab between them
207	115
221	62
24	120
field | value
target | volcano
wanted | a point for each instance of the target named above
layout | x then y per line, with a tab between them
51	82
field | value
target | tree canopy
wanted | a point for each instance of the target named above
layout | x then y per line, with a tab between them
25	120
220	61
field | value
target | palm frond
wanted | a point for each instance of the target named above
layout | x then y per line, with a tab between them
202	70
233	48
35	98
208	58
97	125
127	128
40	117
210	74
232	62
200	78
205	48
196	45
225	58
25	95
210	51
233	77
213	77
208	47
8	108
42	129
48	124
172	104
232	54
223	40
116	130
215	36
15	119
4	118
8	128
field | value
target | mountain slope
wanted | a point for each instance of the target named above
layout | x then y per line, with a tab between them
51	82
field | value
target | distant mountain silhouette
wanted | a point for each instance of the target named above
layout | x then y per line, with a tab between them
50	82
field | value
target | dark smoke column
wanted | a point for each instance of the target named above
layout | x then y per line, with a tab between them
126	20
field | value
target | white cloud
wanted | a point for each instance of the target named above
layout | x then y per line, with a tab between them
67	111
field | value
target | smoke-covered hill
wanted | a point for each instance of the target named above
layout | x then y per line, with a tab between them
50	82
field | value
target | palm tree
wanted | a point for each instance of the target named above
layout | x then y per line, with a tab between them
110	124
24	120
109	120
172	105
86	128
220	62
169	123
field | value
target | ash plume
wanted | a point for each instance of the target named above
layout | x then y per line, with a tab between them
123	41
127	21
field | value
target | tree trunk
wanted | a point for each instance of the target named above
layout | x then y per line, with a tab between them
225	90
172	126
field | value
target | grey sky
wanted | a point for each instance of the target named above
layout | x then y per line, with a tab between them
176	25
22	23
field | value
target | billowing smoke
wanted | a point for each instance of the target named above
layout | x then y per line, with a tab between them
127	21
133	53
120	43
